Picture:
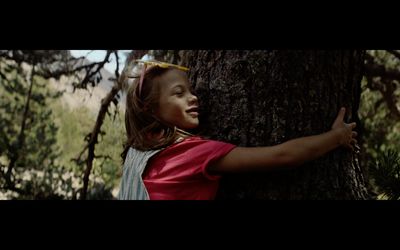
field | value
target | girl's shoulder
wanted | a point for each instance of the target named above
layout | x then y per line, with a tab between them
197	146
197	140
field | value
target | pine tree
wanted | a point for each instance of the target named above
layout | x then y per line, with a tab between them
264	98
28	150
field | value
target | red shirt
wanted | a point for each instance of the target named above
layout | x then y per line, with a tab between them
179	172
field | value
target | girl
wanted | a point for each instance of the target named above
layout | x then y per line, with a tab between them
164	162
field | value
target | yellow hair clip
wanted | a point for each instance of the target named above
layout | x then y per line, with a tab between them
158	64
163	64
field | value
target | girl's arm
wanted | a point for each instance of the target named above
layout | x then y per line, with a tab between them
289	154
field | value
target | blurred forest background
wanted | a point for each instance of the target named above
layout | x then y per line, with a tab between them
62	122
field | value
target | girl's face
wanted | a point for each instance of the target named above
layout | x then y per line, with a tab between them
177	105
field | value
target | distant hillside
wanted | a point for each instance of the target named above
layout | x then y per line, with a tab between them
90	98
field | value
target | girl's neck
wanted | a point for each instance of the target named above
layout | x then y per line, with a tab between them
180	135
183	133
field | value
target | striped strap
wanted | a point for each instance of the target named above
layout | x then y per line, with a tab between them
132	186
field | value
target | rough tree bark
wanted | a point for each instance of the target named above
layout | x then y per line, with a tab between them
264	98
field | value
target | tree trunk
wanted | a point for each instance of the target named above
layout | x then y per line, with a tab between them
264	98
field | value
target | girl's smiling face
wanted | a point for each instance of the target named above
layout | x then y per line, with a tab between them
177	105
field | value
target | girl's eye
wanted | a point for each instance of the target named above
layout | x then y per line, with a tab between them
179	91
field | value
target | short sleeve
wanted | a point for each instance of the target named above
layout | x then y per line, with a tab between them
212	151
188	160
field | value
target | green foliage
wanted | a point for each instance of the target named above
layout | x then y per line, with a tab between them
381	127
74	125
172	56
386	174
36	172
381	130
53	134
111	144
382	57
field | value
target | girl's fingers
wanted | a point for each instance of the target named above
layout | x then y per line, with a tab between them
354	133
341	114
353	125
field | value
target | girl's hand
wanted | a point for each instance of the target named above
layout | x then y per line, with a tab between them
345	131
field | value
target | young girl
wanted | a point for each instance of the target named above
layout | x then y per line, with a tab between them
163	162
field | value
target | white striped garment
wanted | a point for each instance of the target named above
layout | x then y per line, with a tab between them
132	186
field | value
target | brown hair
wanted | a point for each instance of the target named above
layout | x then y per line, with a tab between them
142	126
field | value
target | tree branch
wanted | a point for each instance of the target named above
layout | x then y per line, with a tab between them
14	189
376	70
21	137
99	65
94	137
60	72
391	100
107	157
93	140
3	76
78	159
385	86
46	61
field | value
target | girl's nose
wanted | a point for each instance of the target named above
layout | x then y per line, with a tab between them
193	99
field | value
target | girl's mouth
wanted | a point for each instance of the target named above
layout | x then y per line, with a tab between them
194	111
